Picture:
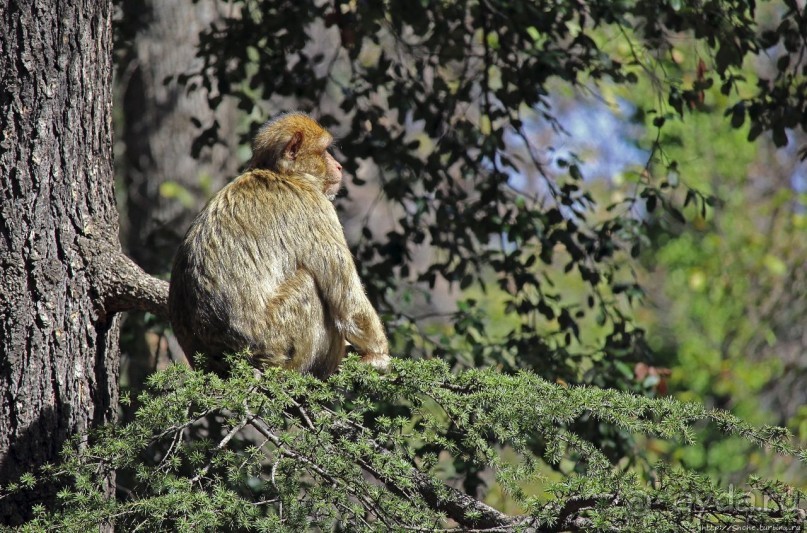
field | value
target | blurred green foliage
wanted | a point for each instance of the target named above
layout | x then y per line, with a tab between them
728	292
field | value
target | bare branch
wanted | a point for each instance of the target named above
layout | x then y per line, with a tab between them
121	285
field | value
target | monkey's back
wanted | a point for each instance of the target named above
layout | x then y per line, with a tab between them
239	254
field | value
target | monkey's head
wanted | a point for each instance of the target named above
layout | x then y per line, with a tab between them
295	143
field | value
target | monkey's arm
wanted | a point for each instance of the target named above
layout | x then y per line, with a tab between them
341	289
353	313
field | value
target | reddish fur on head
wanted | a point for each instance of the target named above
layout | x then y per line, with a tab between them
294	143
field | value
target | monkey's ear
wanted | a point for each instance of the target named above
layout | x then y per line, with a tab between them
293	146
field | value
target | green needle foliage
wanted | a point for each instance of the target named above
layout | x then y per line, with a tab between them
280	451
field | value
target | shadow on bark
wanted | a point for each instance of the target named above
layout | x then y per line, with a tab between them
28	453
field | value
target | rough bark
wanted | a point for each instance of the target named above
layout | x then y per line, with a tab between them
58	233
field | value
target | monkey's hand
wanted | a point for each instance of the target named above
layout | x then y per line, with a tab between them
379	361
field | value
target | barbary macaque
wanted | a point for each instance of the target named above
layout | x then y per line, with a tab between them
265	266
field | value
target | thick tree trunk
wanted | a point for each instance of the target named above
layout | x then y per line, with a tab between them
63	276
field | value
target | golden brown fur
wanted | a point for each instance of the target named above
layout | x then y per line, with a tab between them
265	265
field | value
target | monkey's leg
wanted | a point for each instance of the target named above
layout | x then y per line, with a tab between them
300	333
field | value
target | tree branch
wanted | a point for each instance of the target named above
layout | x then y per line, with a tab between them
119	283
460	507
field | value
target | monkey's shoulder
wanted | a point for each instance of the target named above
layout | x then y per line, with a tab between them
260	199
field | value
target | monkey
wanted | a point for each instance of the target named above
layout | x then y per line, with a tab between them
265	266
